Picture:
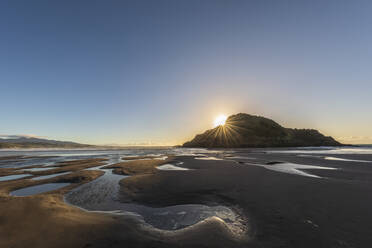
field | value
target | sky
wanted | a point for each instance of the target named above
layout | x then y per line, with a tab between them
158	72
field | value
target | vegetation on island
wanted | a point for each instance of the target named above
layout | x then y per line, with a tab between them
244	130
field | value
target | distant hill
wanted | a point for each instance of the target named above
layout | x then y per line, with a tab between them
244	130
14	141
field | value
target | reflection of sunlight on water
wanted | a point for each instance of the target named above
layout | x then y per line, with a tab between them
239	157
192	151
326	150
102	194
208	158
52	156
333	158
344	159
293	168
171	167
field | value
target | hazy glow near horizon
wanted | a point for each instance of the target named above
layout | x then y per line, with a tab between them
159	72
220	120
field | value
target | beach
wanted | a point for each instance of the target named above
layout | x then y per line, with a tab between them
298	197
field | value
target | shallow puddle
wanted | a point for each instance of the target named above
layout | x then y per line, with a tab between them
293	168
50	176
171	167
13	177
334	158
348	160
41	169
208	158
37	189
102	194
239	157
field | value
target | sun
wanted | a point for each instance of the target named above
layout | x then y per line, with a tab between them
220	120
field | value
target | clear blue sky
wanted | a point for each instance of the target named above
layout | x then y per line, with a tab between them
160	71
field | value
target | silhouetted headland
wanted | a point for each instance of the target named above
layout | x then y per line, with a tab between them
244	130
16	141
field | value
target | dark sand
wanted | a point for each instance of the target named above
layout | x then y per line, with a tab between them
283	210
280	210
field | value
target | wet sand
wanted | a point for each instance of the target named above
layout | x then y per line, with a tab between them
283	210
45	220
278	209
141	166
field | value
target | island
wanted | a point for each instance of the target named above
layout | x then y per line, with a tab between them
245	130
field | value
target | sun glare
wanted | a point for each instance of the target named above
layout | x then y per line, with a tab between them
220	120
